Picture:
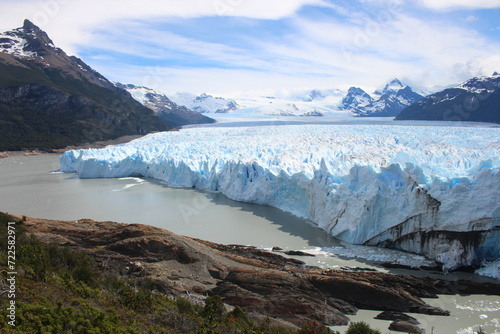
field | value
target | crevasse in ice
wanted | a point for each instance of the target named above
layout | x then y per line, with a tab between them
431	190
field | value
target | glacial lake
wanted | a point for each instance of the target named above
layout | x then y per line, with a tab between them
32	186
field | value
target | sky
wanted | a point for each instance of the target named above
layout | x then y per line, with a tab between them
242	47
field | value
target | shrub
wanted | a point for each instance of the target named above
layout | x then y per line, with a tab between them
313	327
361	328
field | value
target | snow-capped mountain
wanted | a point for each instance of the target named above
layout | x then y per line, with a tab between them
51	100
355	99
426	189
205	103
164	107
476	100
30	43
387	102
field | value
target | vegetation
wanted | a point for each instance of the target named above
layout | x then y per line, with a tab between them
361	328
44	108
60	290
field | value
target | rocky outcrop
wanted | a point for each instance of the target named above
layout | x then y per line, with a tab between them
264	283
405	327
397	316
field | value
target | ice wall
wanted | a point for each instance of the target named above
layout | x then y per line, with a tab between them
425	189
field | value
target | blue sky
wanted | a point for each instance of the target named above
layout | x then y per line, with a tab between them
231	47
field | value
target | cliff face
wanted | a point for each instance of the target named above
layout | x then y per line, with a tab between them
50	100
264	283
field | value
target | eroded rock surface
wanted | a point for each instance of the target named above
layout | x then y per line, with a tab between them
264	283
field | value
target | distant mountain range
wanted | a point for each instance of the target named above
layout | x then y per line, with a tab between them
476	100
205	103
50	100
386	102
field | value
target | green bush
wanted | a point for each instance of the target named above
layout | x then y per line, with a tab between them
361	328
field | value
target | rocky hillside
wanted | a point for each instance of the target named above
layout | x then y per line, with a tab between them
263	283
50	100
164	107
476	100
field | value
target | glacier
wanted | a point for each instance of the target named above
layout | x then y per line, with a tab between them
430	190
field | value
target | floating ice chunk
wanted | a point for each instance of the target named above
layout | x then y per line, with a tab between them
490	269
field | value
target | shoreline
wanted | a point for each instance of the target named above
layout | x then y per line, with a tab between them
263	282
98	144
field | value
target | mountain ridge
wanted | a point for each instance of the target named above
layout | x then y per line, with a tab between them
388	102
475	100
50	100
164	107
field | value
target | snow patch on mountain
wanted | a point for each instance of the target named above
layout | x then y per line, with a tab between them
355	99
12	43
387	102
412	188
140	93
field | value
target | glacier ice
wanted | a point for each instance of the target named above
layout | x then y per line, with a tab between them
432	190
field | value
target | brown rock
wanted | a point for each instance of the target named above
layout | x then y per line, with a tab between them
392	315
264	283
404	326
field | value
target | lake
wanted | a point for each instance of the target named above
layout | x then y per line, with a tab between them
32	186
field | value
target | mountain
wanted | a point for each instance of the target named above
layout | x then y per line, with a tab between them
387	102
355	99
164	107
50	100
205	103
476	100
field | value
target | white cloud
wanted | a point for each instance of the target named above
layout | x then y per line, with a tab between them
406	47
471	18
313	55
220	82
80	17
353	47
457	4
